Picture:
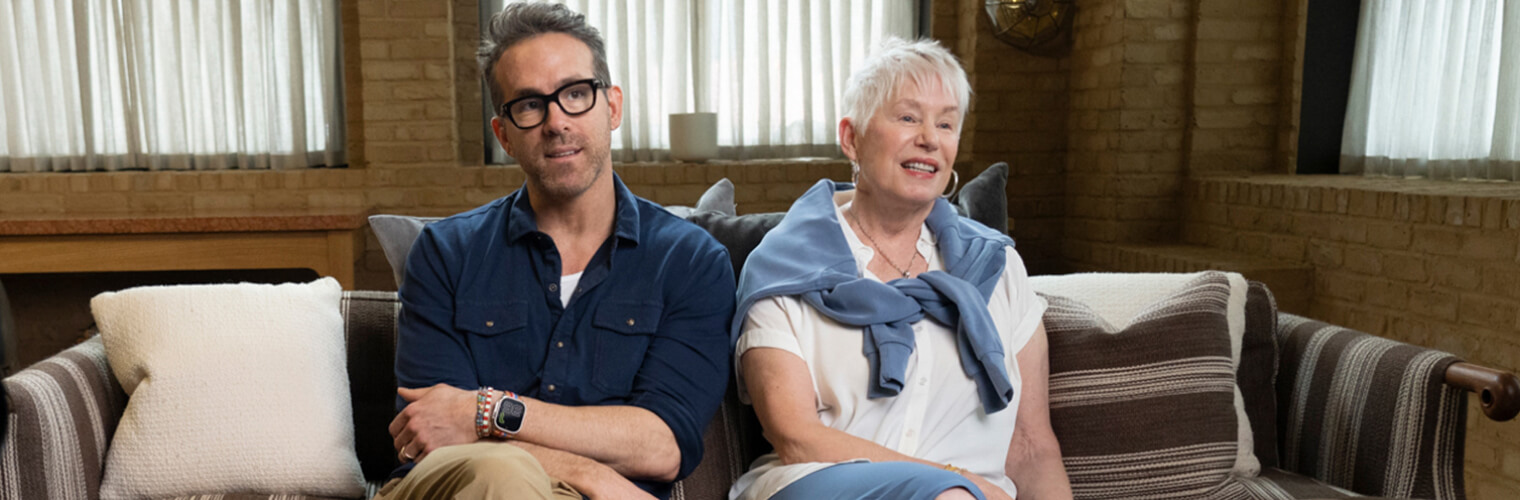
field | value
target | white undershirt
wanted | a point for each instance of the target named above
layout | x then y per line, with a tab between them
938	416
567	284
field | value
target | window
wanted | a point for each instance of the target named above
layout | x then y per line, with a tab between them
772	70
1435	90
116	84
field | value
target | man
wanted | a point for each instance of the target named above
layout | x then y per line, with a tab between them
592	323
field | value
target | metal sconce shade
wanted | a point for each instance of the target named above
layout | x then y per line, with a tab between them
1033	25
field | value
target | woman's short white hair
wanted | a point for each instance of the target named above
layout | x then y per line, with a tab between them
923	62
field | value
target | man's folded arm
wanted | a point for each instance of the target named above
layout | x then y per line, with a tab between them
658	434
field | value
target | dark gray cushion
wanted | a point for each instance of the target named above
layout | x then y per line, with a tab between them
738	233
984	198
396	234
1257	373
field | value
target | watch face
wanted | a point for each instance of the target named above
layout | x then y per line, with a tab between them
509	415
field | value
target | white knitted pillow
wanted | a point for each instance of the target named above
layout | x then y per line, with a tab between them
233	388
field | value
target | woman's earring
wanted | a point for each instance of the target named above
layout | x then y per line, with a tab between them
854	173
955	182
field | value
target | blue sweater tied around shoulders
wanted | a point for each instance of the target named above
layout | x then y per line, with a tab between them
807	255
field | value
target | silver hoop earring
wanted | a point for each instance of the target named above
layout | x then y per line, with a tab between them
955	182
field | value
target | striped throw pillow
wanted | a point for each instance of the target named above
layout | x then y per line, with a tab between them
1147	411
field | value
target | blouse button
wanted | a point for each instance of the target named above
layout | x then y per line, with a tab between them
630	321
551	387
490	324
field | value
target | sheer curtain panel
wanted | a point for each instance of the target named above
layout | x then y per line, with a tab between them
169	84
772	70
1435	90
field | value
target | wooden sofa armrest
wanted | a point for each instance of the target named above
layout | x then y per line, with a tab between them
64	410
1498	391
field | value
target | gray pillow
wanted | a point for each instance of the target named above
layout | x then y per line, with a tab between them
985	199
719	198
396	234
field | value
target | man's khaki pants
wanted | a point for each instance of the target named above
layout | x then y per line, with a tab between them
479	470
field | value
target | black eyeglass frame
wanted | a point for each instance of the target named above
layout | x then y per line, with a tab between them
596	84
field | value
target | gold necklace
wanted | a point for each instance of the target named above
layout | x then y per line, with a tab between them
877	247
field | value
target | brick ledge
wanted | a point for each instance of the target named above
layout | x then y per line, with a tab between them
1428	187
1292	283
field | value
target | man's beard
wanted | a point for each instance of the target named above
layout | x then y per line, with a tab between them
568	183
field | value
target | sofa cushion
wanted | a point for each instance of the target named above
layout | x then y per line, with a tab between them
1147	410
231	388
718	198
1119	298
396	234
1257	373
984	198
740	234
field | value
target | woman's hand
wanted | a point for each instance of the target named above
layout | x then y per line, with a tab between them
989	490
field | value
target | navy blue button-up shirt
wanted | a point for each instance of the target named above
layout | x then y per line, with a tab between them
647	325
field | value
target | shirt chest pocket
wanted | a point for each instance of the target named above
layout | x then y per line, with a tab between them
495	336
623	330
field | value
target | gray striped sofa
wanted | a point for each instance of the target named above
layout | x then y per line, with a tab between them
1343	426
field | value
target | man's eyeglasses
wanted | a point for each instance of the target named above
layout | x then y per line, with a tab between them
575	98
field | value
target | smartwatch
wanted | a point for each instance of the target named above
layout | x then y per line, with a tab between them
507	417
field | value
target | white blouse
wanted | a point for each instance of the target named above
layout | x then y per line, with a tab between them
937	416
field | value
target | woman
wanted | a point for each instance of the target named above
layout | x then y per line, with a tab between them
930	385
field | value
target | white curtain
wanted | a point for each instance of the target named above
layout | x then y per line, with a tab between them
772	70
169	84
1435	90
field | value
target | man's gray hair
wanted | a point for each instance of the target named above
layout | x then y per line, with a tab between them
523	20
897	61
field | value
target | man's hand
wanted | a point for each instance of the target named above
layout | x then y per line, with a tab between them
438	416
591	478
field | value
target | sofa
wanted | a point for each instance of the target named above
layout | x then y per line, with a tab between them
1326	418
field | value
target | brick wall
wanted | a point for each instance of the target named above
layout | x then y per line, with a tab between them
1162	90
1237	86
404	80
1018	115
1123	153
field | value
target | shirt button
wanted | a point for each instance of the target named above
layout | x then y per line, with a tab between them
551	387
912	433
490	324
554	287
630	321
560	345
922	381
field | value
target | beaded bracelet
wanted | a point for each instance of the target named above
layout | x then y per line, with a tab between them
485	403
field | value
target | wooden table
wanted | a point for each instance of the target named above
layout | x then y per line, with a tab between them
326	242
